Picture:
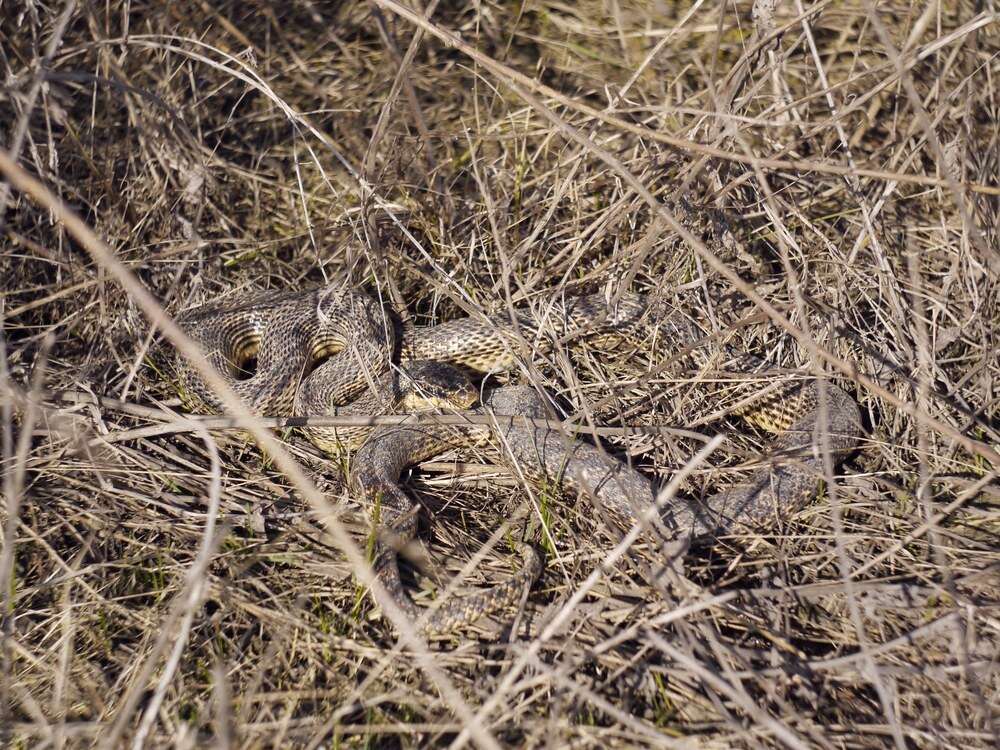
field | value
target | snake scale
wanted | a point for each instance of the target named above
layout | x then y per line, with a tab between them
357	348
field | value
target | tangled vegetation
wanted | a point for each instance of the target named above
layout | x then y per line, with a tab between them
835	167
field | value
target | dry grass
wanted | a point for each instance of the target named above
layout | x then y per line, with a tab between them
217	147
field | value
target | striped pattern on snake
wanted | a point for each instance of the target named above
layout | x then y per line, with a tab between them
288	332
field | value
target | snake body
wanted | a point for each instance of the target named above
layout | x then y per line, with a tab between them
288	332
285	333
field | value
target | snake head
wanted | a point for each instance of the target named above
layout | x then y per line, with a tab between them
426	385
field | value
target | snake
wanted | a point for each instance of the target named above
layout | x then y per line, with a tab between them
334	351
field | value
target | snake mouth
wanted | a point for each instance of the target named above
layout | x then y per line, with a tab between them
417	402
427	385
